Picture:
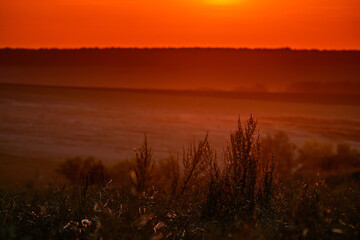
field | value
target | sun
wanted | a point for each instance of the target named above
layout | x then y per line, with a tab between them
222	2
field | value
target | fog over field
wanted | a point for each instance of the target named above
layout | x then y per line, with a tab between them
56	123
244	70
174	95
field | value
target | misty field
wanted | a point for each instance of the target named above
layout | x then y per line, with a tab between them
75	165
255	189
56	123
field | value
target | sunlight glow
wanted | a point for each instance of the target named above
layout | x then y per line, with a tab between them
222	2
322	24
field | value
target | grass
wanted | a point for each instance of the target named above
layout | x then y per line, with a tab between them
243	194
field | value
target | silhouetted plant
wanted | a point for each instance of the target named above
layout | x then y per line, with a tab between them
245	179
345	158
196	160
242	161
214	192
313	152
166	175
120	173
175	173
141	174
283	150
83	171
173	169
232	199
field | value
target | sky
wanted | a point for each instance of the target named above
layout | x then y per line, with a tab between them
300	24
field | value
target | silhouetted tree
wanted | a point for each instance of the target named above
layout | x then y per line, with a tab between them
143	166
79	170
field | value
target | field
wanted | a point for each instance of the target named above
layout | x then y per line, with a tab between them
302	180
48	125
255	190
56	123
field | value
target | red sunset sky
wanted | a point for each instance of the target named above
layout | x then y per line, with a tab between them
322	24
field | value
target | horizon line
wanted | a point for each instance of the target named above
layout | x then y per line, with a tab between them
178	48
147	89
319	98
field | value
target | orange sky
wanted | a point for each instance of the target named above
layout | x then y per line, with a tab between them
323	24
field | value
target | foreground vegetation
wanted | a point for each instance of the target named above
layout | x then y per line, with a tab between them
254	190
